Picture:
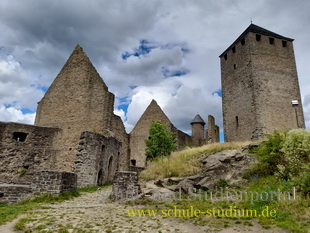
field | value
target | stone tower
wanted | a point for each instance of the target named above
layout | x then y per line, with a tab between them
259	85
198	129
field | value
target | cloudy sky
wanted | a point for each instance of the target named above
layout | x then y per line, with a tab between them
165	50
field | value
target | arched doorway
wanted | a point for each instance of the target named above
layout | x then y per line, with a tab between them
100	177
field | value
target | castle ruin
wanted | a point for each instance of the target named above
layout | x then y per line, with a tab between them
77	140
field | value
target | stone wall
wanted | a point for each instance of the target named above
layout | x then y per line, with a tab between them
26	149
97	159
78	100
54	182
12	193
212	131
140	133
136	169
183	139
259	81
125	186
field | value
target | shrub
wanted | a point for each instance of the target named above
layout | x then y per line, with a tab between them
161	141
286	154
269	153
296	151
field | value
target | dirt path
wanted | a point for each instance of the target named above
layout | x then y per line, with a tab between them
90	213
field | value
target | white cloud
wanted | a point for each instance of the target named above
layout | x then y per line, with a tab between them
15	115
39	41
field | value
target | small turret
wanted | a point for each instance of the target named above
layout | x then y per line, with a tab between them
198	125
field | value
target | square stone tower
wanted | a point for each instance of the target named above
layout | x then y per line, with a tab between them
260	90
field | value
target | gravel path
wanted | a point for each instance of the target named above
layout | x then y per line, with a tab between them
90	213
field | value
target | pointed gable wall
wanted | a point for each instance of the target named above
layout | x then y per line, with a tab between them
77	101
140	132
78	95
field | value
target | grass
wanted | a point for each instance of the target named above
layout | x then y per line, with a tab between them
291	215
10	212
185	162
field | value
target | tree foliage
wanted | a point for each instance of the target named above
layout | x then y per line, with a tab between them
161	141
286	154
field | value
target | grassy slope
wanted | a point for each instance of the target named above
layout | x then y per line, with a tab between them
291	215
185	162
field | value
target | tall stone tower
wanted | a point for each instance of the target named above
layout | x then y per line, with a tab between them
198	129
259	85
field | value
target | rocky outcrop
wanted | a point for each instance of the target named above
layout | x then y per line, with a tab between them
223	168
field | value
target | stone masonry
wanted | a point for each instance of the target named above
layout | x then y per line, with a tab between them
260	90
212	131
77	134
26	149
125	186
97	159
54	182
140	133
12	193
78	100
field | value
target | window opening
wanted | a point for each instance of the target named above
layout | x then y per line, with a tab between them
20	136
271	40
242	41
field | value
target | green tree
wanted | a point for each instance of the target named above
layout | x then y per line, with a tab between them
161	141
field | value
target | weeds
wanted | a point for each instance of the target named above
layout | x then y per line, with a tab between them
185	162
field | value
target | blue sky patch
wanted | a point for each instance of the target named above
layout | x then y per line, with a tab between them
123	104
44	89
174	73
219	92
27	111
144	48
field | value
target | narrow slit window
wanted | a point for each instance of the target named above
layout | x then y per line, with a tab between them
19	136
242	41
284	43
271	40
233	49
235	67
225	56
258	37
237	121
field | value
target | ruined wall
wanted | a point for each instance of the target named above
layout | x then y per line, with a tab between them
54	182
125	186
183	139
12	193
78	100
140	132
26	149
120	134
97	159
212	131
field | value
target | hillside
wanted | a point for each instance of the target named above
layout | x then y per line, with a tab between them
275	177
